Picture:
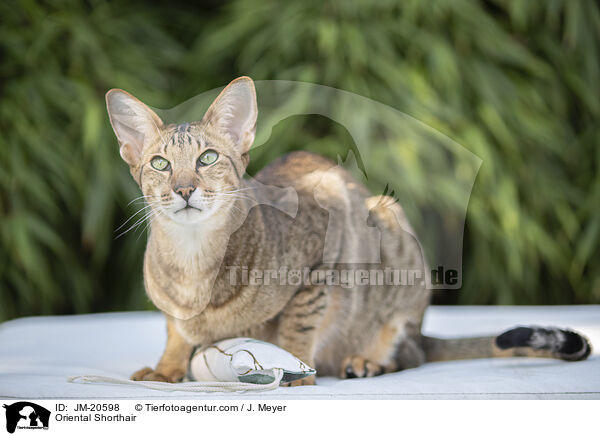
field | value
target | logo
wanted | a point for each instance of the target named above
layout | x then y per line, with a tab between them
26	415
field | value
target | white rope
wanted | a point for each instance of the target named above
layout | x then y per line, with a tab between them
212	386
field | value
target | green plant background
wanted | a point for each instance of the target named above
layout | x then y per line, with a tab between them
515	82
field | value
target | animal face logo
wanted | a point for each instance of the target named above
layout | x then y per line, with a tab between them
26	415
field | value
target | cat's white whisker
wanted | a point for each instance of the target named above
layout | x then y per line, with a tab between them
247	188
233	198
132	216
138	222
139	198
149	222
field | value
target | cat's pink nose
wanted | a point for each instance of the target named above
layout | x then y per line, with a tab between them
185	191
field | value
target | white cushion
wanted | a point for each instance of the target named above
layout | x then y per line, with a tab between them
38	354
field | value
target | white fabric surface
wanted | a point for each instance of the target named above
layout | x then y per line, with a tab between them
38	354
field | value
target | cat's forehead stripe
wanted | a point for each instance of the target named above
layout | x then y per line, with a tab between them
182	128
167	143
181	131
181	136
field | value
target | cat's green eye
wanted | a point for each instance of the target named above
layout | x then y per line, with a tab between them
159	163
207	158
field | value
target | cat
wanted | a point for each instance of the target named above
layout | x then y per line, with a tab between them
207	223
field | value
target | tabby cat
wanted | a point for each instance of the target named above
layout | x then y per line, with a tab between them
208	223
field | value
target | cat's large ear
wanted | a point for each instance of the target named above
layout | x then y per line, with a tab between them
234	113
134	123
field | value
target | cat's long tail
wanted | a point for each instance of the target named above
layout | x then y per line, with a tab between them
530	341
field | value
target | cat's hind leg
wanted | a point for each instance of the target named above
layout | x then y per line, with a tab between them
376	358
391	350
298	326
357	366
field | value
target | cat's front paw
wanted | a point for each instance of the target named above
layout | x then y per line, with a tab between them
139	375
306	381
148	374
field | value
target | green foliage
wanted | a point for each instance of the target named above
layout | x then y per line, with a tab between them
515	82
64	188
